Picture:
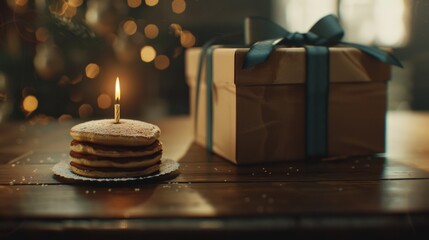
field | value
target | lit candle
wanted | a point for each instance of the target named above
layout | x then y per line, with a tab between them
117	98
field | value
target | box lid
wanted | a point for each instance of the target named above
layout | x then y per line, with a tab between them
287	66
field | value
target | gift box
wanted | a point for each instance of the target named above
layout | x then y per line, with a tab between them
260	114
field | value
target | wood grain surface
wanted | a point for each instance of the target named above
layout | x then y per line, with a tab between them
371	196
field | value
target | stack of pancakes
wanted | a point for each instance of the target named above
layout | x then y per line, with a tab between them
105	149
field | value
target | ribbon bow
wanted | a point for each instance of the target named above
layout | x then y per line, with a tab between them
265	35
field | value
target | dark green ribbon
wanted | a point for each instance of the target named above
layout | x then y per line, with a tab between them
206	56
264	36
316	101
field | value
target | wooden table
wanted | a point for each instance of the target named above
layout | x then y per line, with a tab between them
386	195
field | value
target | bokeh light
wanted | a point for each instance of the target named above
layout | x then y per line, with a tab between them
65	118
61	57
151	31
92	15
21	2
92	70
75	3
176	29
104	101
162	62
58	8
187	39
134	3
70	11
178	6
42	34
130	27
147	54
85	110
151	3
102	17
30	103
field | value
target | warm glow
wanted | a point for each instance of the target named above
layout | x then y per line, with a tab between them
85	110
70	11
92	16
30	103
130	27
187	39
134	3
178	6
65	118
151	3
104	101
117	91
41	34
92	70
75	3
151	31
58	8
162	62
176	29
147	54
21	2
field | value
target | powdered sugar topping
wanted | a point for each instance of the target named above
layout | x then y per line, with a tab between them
125	128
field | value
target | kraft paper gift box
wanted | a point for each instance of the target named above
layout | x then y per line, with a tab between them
259	113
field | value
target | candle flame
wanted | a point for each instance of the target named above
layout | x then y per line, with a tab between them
117	91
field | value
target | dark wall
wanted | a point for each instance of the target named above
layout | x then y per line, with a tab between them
418	54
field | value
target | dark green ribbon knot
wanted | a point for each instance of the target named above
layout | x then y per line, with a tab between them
264	35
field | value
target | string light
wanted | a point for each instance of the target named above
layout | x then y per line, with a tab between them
65	118
151	3
21	2
74	3
92	70
70	11
151	31
130	27
178	6
187	39
41	34
162	62
49	60
176	29
85	110
147	54
134	3
30	103
104	101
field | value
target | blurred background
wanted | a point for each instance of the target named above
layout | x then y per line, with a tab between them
59	58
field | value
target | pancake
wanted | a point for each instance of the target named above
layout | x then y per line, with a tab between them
98	161
112	172
105	149
115	151
107	132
